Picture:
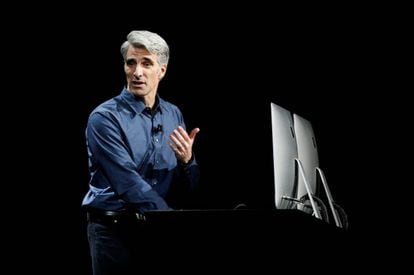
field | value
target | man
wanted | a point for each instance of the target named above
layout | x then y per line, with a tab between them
139	153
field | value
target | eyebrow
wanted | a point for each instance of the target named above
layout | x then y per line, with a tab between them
144	59
148	59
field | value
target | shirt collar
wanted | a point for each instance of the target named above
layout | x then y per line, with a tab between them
138	105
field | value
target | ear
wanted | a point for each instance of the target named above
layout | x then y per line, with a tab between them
162	72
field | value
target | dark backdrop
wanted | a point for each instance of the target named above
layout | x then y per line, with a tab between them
223	77
226	66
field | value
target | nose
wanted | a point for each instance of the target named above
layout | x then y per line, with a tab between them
138	71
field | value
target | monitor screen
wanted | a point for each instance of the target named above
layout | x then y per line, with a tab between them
307	153
284	154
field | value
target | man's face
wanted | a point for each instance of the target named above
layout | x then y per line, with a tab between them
143	72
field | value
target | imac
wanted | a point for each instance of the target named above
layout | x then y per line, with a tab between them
308	158
286	163
284	154
307	153
294	182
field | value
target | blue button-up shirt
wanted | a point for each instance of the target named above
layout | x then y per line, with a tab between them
131	164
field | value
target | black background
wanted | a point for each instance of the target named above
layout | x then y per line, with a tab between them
333	67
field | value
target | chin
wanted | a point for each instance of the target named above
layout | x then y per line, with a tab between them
138	92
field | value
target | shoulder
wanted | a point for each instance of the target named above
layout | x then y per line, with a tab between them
106	111
112	106
169	107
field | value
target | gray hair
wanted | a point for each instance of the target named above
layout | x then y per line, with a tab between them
152	42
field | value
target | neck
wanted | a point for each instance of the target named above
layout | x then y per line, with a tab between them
148	100
151	104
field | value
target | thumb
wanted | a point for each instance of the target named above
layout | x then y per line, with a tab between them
194	132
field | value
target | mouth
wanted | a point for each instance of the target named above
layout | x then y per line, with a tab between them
137	83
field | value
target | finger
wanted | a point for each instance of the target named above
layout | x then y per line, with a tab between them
177	143
183	133
194	133
173	147
181	138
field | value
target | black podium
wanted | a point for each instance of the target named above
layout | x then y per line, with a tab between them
252	241
244	237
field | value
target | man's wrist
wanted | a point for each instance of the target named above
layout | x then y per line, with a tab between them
188	162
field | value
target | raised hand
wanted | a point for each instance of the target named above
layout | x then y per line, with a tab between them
182	143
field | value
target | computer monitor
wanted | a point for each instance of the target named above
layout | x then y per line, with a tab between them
308	157
284	154
287	166
307	153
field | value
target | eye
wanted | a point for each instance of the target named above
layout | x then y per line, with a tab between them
130	62
147	64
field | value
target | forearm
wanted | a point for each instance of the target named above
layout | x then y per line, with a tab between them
144	201
191	174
